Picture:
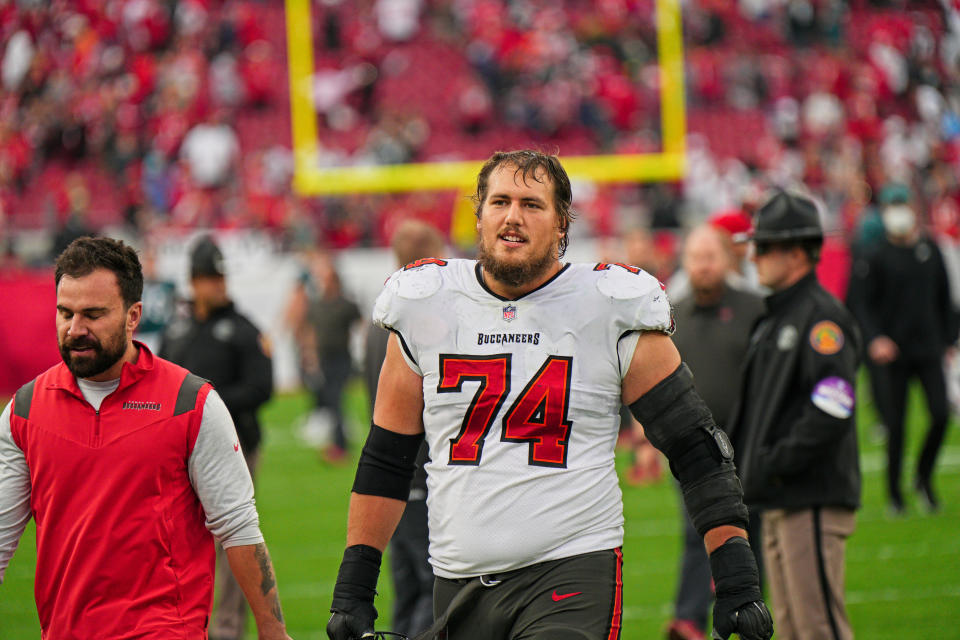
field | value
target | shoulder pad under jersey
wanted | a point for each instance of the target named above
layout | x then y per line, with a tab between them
648	307
624	281
416	281
419	279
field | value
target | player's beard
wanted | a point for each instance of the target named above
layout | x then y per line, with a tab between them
516	274
105	354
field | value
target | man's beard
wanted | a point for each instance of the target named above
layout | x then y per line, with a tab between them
104	356
708	290
516	274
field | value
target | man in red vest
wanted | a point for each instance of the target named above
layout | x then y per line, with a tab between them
130	467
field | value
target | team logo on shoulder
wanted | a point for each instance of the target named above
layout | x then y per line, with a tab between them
510	312
826	337
424	261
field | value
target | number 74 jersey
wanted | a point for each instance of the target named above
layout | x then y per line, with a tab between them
521	406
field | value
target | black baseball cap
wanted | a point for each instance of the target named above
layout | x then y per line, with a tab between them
206	259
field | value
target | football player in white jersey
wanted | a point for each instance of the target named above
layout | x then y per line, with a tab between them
513	367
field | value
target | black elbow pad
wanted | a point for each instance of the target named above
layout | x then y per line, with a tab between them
678	422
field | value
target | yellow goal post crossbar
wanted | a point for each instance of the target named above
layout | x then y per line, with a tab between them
313	180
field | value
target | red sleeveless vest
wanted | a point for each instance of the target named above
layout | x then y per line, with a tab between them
122	549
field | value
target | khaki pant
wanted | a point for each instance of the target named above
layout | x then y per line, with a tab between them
804	554
230	613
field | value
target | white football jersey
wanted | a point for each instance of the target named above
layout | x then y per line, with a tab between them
521	406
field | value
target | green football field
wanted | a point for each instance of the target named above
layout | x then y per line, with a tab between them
903	575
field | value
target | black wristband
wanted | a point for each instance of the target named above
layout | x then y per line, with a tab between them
357	579
735	573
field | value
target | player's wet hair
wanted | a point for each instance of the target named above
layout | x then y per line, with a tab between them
87	254
528	163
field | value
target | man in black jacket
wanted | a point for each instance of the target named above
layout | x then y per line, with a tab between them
909	322
794	425
216	342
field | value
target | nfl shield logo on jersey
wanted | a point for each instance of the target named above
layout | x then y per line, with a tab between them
509	312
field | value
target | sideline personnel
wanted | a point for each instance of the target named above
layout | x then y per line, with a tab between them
128	464
713	330
909	324
219	344
794	425
515	365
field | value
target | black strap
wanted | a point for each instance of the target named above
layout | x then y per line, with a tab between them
463	596
187	396
22	401
822	571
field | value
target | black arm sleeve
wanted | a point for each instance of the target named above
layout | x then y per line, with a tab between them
387	463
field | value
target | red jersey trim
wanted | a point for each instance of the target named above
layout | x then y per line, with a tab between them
617	618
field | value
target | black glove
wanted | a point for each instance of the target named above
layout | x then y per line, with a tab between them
352	606
739	607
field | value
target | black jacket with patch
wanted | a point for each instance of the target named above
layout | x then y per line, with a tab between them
793	427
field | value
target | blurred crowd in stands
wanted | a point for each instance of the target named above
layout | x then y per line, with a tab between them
161	115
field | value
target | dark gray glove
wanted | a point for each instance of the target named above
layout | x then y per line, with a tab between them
739	607
352	606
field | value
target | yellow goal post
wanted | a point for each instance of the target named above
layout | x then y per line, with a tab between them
310	179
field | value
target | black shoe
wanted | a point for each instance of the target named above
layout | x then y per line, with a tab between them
927	496
895	507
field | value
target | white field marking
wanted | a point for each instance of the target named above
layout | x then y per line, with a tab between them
899	595
876	461
898	551
662	611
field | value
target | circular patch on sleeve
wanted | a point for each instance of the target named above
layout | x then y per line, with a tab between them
834	396
826	337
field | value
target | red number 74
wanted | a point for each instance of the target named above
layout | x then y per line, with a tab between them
538	416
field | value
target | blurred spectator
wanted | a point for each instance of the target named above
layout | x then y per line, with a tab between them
17	59
909	322
398	20
212	151
77	201
737	227
322	318
214	341
159	301
714	321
